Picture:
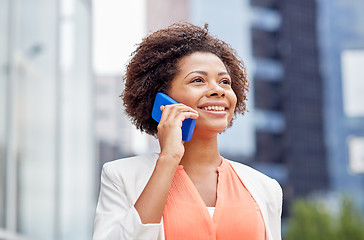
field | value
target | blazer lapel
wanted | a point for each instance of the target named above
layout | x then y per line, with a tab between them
247	178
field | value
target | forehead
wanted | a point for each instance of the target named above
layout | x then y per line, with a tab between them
201	61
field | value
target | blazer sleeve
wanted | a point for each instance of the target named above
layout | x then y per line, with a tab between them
116	217
277	212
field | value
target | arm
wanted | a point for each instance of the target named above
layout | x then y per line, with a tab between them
150	204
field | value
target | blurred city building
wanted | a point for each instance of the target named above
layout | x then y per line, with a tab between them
305	59
116	136
47	173
341	43
110	122
289	93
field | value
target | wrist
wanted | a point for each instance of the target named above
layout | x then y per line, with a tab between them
170	157
168	163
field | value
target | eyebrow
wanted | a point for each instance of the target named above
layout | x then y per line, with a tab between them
205	73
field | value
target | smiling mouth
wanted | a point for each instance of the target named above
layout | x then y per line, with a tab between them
214	108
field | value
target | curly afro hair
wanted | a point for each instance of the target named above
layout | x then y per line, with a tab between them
154	64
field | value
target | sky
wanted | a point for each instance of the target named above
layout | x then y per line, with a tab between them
118	27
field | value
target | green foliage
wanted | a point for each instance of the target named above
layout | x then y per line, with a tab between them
312	220
351	222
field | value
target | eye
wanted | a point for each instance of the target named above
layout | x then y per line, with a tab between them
197	80
226	81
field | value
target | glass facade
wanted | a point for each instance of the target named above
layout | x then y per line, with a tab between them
46	128
3	100
341	38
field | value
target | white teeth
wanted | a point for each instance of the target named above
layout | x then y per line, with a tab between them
214	108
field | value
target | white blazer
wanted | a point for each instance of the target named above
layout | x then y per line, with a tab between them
122	182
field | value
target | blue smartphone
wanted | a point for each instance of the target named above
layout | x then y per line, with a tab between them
188	125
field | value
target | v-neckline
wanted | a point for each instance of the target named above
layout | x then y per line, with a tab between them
197	196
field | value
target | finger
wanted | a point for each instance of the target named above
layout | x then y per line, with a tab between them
180	107
177	120
177	108
185	115
171	111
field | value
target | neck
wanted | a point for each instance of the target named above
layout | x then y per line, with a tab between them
201	154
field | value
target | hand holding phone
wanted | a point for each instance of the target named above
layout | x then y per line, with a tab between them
188	125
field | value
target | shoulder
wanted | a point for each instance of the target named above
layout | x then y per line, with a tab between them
257	180
241	168
133	162
130	169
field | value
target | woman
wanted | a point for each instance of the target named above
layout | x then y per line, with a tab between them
188	190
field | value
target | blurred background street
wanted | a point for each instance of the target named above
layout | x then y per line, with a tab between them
61	117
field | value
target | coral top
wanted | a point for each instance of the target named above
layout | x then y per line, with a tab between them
236	216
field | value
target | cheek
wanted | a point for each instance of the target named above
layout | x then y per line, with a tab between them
180	98
233	100
233	106
187	97
176	95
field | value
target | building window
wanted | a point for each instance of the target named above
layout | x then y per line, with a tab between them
269	121
268	69
266	19
352	62
356	154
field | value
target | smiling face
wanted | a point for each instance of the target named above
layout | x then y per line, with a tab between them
204	84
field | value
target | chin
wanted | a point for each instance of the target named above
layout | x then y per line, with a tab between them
218	130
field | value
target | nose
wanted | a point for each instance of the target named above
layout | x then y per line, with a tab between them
216	90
